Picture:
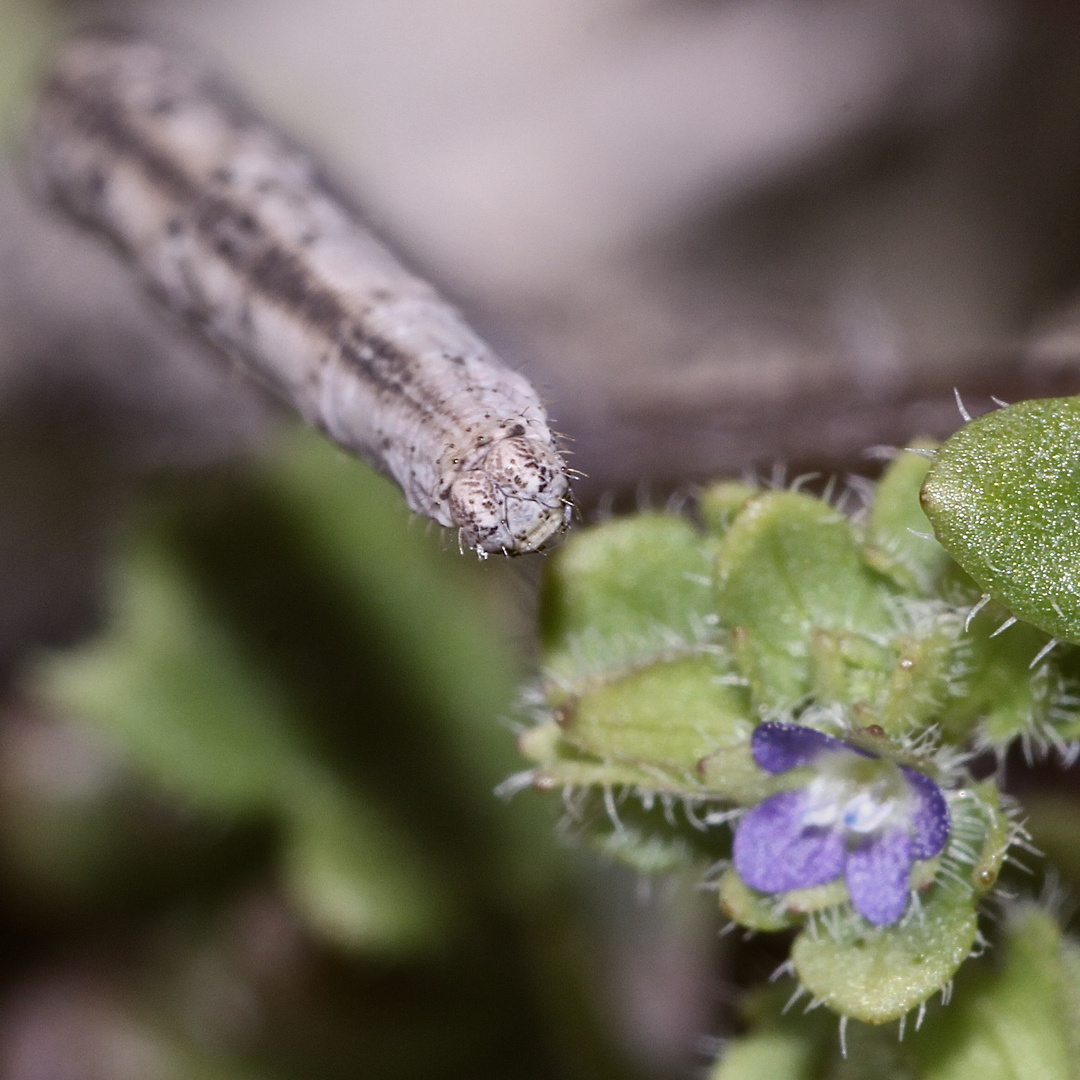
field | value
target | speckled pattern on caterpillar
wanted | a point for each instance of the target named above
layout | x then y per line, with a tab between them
233	227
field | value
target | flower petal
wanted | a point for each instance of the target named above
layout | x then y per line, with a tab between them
774	853
930	817
878	874
779	747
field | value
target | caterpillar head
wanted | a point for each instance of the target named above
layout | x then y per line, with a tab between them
516	500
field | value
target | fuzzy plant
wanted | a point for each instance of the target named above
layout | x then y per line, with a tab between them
812	705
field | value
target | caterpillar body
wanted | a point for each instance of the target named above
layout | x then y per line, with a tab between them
232	226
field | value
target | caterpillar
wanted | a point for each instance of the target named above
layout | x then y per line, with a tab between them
233	227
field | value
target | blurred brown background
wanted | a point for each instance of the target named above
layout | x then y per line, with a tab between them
718	233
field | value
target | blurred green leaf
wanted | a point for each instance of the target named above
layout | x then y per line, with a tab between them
356	881
169	686
425	603
189	710
720	503
769	1055
1019	1021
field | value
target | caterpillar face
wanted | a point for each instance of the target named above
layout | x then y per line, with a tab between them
516	500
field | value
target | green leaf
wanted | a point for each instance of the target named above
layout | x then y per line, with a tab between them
625	592
788	566
671	713
1004	498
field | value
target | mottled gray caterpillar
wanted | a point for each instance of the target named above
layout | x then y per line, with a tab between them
233	227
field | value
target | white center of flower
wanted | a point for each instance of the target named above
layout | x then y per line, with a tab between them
864	814
859	795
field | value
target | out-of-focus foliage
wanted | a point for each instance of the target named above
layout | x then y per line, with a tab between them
306	695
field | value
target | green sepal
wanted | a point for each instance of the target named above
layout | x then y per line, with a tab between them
901	686
788	566
927	673
560	764
1004	498
1014	1013
877	974
751	909
898	540
733	774
999	833
848	667
728	775
767	912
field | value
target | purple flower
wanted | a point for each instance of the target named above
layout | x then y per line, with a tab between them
862	816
